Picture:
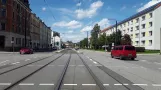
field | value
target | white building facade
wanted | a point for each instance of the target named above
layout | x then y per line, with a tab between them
143	27
55	41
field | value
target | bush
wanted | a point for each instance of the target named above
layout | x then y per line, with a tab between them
140	49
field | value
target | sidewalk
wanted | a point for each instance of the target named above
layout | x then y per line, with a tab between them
5	52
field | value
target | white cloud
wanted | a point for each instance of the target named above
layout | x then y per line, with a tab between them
70	31
123	8
104	23
79	4
89	13
87	28
70	25
44	9
147	5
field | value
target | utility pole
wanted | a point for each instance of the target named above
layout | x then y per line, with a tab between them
87	39
160	40
116	37
25	28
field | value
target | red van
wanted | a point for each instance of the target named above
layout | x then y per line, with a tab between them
124	51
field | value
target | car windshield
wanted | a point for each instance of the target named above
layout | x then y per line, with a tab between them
80	44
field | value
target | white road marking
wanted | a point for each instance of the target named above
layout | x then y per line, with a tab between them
157	63
27	59
98	65
60	65
81	65
117	84
70	84
16	63
125	84
89	84
35	57
51	65
157	85
26	84
5	84
72	65
140	84
106	84
143	60
95	62
46	84
4	61
91	59
159	68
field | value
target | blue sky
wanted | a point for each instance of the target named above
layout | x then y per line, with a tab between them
74	17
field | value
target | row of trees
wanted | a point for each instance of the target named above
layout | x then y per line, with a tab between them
98	40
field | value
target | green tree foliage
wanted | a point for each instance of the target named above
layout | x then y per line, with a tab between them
94	36
102	39
56	34
126	40
84	43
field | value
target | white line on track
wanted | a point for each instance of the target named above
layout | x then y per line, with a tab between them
16	63
81	65
159	68
60	65
156	85
125	84
89	84
72	65
143	60
157	63
26	84
117	84
46	84
95	62
91	59
5	84
70	84
140	84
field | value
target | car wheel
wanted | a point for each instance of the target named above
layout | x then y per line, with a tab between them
111	56
132	58
121	57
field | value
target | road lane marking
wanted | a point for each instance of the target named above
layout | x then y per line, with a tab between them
51	65
15	63
81	65
27	59
91	59
156	85
60	65
140	84
72	65
143	60
106	84
46	84
157	63
117	84
5	84
4	61
125	84
70	84
95	62
159	68
26	84
89	84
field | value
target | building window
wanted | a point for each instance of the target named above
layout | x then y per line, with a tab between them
150	42
128	30
137	20
151	15
3	12
124	25
4	1
143	43
151	24
143	34
131	29
128	23
150	33
137	35
143	26
137	43
16	41
3	26
131	36
13	28
137	27
131	21
143	18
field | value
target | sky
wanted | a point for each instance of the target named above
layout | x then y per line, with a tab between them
73	18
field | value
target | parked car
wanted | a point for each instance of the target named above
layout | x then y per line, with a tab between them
124	51
26	51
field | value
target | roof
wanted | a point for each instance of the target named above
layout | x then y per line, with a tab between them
136	15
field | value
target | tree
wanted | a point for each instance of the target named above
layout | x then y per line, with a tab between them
94	36
126	40
102	39
84	43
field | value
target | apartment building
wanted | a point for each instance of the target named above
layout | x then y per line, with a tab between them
14	24
143	27
35	31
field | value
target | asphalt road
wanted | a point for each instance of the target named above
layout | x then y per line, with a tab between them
86	70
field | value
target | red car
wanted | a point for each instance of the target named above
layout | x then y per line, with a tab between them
124	51
26	51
